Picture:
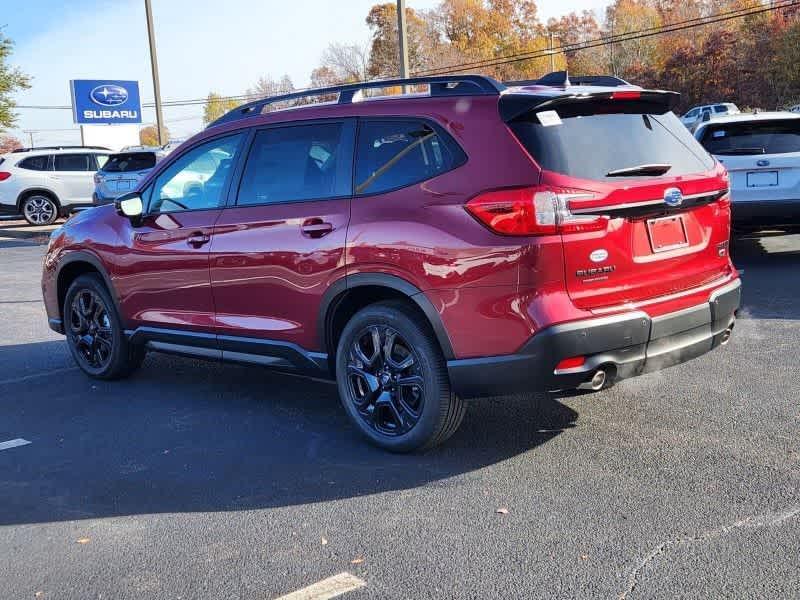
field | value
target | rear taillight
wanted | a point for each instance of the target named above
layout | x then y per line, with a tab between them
4	175
538	210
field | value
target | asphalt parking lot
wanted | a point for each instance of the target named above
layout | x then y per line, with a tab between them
198	480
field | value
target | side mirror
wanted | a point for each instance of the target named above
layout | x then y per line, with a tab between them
131	207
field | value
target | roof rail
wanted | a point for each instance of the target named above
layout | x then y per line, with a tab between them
32	148
444	85
563	79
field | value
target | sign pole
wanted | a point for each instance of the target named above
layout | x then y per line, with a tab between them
154	66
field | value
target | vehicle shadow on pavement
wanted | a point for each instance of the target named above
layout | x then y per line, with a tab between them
189	436
760	257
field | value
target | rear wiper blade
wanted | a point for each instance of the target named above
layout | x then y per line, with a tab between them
743	151
654	169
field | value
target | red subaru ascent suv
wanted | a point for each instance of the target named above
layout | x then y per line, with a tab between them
422	241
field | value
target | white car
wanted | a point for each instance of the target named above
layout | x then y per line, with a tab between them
762	154
695	115
45	183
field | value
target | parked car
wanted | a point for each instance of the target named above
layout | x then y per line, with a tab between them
696	114
45	183
795	108
762	154
421	249
122	172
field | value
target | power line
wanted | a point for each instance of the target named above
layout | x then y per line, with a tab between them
501	60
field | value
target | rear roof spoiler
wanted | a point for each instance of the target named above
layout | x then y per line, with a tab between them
564	79
514	105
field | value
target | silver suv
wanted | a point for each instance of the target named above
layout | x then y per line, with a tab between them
123	171
45	183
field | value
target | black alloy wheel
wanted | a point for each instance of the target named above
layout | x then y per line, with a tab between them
90	330
95	335
385	381
393	380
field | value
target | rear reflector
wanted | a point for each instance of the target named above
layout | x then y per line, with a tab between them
538	210
4	175
571	363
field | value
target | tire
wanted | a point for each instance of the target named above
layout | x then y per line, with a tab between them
39	209
94	331
402	401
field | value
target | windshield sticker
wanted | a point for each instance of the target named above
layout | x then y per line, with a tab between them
548	118
718	133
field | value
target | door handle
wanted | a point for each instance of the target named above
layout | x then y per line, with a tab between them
316	228
197	239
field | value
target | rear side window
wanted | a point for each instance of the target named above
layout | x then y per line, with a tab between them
130	161
755	137
394	154
35	163
601	140
72	162
720	108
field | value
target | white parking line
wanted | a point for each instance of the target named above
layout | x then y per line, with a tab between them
327	588
13	444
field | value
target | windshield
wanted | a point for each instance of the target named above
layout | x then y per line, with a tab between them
130	161
754	137
610	139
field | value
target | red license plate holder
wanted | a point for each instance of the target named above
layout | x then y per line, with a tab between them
667	233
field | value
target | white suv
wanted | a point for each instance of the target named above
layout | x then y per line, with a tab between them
696	115
762	155
45	183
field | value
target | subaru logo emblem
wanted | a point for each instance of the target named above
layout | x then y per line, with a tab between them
109	95
673	197
763	162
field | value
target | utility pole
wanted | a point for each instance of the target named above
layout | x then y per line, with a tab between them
552	53
402	38
162	138
30	134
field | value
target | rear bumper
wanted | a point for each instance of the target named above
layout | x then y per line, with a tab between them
766	213
625	345
100	200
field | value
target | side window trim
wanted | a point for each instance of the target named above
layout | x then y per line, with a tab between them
347	142
460	156
152	182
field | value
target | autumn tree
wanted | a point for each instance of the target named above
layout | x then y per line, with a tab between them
216	106
324	77
631	56
384	52
266	86
11	80
148	136
575	31
487	30
347	63
8	143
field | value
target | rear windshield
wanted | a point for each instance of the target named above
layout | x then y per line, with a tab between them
755	137
130	161
592	140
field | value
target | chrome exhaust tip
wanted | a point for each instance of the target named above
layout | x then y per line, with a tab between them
596	383
725	336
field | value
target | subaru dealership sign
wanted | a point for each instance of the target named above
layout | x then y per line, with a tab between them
98	101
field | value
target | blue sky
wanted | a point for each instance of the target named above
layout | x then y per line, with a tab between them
203	45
